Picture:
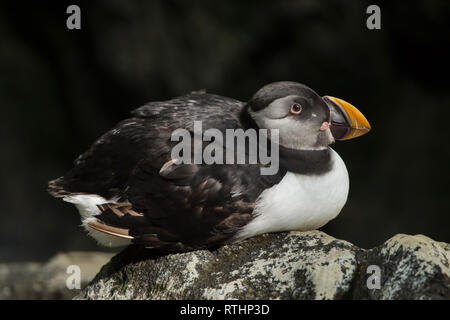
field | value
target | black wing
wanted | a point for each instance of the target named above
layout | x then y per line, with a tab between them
181	206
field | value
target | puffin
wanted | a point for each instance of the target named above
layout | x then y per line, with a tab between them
129	189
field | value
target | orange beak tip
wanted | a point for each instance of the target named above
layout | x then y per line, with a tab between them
356	123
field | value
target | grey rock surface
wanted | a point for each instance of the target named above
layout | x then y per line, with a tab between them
32	280
294	265
412	267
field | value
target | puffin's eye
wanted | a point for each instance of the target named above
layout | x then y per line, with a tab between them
296	108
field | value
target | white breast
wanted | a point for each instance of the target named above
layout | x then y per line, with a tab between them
300	202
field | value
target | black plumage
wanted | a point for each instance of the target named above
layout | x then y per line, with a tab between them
157	201
200	206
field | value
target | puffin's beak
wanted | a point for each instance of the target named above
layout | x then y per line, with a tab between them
347	122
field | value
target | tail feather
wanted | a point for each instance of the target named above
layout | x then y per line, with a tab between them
114	231
56	188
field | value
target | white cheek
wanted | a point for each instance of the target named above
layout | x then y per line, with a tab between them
294	135
314	115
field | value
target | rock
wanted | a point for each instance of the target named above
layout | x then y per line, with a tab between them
412	267
31	280
272	266
294	265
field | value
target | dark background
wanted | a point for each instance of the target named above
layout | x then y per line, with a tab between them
61	89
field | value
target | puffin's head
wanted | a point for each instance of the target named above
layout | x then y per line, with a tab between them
305	120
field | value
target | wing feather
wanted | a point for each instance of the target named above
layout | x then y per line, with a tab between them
156	201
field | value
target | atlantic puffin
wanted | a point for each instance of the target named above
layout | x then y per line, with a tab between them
128	189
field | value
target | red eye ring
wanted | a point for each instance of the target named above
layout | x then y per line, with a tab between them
296	108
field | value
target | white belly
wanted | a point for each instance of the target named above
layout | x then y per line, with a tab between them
300	202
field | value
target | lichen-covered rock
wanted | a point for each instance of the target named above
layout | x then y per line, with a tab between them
294	265
412	267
